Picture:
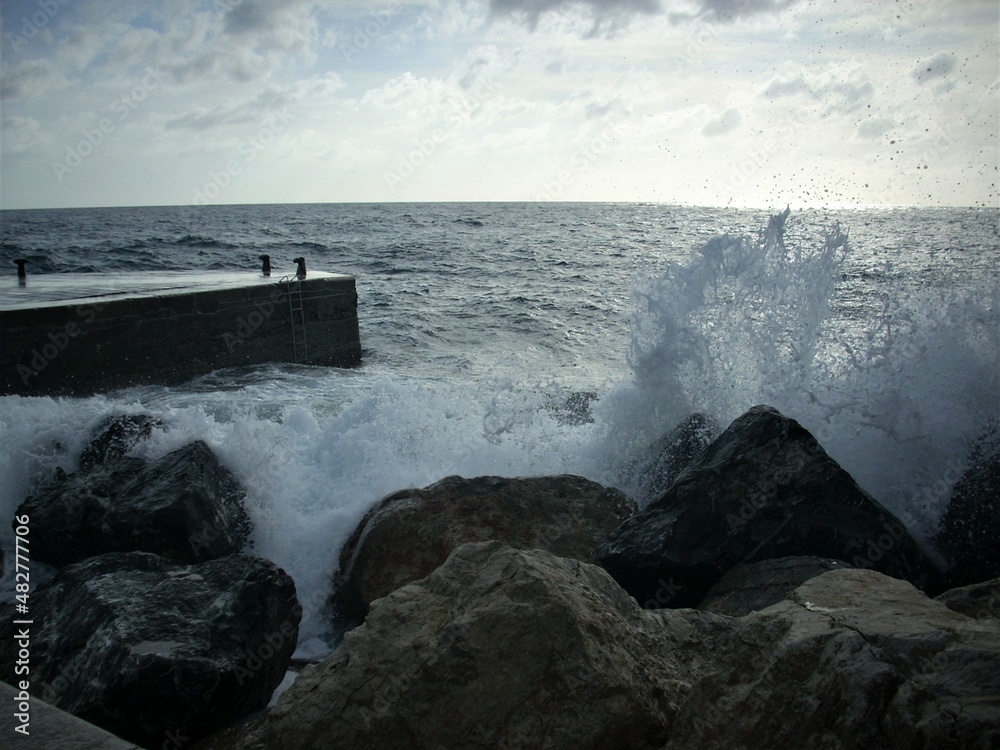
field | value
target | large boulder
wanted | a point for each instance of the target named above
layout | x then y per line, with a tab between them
497	648
666	458
409	533
756	586
115	438
763	489
853	659
185	506
49	727
975	600
144	647
504	648
970	526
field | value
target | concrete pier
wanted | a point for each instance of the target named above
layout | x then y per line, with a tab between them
79	334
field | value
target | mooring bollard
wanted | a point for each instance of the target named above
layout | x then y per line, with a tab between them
22	274
301	270
266	267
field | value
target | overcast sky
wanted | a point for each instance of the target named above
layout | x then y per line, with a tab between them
711	102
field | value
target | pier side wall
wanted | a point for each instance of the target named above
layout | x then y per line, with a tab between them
104	344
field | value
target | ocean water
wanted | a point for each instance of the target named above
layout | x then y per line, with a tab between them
526	339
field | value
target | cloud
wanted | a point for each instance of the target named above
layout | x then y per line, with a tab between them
268	19
290	25
478	64
937	66
239	40
724	123
609	15
202	118
875	127
612	16
30	78
20	134
841	91
727	11
273	98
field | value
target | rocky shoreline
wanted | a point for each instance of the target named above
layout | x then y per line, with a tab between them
760	599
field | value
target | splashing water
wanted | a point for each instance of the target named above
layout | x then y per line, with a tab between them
895	393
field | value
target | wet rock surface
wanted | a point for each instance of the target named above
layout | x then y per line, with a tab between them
970	526
185	506
763	489
146	648
666	458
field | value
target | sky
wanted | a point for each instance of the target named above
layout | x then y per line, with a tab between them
700	102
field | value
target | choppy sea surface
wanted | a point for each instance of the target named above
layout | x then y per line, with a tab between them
525	339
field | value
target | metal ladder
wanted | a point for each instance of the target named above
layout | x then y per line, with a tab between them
297	315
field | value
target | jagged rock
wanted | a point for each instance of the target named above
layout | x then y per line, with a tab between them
764	489
748	588
854	659
504	648
666	458
185	506
141	646
115	437
498	648
970	526
975	600
410	533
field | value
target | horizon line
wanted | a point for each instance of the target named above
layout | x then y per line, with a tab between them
805	206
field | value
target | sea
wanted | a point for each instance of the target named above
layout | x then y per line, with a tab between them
522	339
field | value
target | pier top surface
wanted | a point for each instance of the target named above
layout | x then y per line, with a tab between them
57	289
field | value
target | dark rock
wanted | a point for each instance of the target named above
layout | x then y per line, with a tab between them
141	646
975	600
764	489
518	649
185	506
115	437
410	533
853	659
670	455
756	586
52	728
970	526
